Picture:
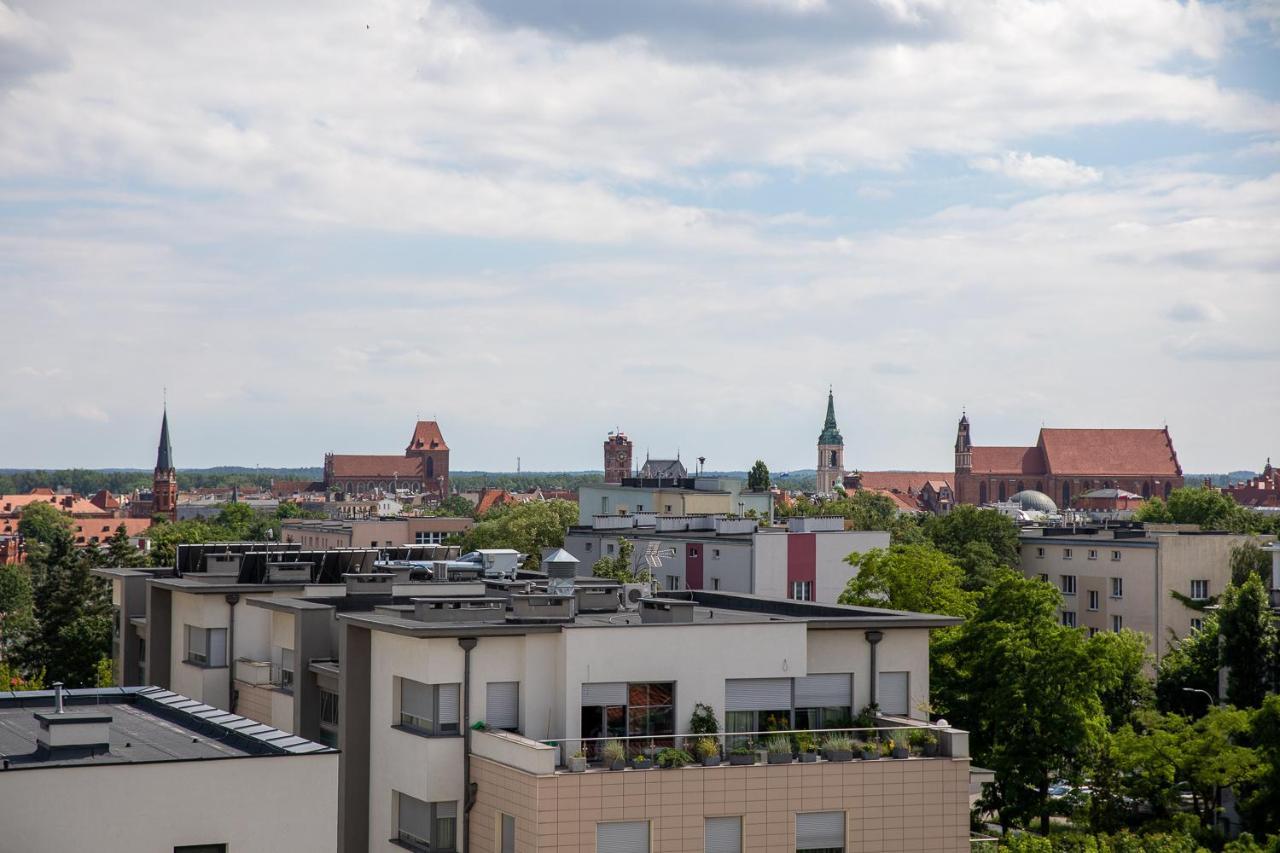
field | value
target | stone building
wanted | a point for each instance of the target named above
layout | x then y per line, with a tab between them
1064	463
617	457
424	466
163	498
830	452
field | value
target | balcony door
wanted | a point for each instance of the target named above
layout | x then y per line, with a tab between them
620	709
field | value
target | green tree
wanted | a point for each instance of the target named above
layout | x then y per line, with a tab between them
1154	510
1248	642
236	519
919	578
1260	804
1122	656
618	567
526	527
758	477
1209	508
1248	558
965	525
456	506
1191	664
17	601
72	607
43	525
120	553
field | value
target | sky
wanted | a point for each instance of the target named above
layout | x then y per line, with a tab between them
311	222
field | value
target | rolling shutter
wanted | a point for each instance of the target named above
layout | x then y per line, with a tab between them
892	695
604	693
757	694
830	690
415	698
502	705
629	837
415	817
508	834
448	705
723	835
820	831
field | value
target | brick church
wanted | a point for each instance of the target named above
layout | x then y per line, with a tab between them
162	500
1064	463
424	466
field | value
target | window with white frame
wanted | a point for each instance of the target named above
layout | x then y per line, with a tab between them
1117	587
673	582
429	537
430	709
1093	599
1197	624
1069	618
1066	553
1199	590
426	826
1093	553
1117	622
1068	584
802	590
1115	555
206	646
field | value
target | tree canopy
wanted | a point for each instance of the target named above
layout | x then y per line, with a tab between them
918	578
526	527
758	477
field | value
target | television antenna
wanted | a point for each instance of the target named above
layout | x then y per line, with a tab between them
653	556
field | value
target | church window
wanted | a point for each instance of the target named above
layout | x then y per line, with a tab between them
1002	491
1146	489
1021	487
982	493
832	461
1066	494
1168	487
431	467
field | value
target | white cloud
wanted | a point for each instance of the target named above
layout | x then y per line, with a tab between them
1195	311
1041	171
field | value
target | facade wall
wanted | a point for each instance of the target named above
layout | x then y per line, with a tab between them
901	650
833	572
261	804
890	806
968	485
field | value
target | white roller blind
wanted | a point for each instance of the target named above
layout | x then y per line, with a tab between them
757	694
624	837
415	698
604	693
448	704
893	696
502	705
508	834
415	817
824	691
217	647
819	830
723	835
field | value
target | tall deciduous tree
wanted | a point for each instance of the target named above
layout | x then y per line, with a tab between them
1191	664
527	527
1248	642
758	477
919	578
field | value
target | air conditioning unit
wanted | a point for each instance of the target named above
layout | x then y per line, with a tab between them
632	593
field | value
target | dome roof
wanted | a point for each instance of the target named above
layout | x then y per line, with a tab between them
1031	499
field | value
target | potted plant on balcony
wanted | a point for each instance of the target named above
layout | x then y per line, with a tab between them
897	746
869	750
838	747
708	750
614	754
578	762
703	720
806	747
642	762
925	742
778	748
671	757
742	754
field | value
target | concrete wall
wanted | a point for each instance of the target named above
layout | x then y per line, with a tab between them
251	804
833	573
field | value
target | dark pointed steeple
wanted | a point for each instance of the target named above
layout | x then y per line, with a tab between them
164	456
830	432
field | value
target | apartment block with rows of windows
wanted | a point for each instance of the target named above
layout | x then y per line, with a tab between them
804	561
1150	579
491	723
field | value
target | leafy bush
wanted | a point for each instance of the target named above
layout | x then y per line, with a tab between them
671	757
778	745
703	720
706	747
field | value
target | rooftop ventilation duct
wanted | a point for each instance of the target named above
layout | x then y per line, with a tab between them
288	572
665	611
87	730
369	583
541	608
597	596
436	610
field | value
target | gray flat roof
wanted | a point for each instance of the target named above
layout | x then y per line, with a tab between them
148	724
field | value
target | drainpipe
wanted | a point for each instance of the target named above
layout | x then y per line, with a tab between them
874	638
233	598
468	794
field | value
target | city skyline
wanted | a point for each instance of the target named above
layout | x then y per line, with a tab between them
535	224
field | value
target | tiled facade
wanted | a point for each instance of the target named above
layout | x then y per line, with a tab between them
890	806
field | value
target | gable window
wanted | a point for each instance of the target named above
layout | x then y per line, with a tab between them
426	826
206	646
429	709
1068	584
1117	587
1199	590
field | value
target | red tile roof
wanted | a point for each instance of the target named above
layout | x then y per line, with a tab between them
71	504
1109	451
901	481
1007	460
103	499
490	498
900	500
427	436
347	465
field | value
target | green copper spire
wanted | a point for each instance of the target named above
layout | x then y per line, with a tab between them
830	432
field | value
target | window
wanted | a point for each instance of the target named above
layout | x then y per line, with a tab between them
1068	584
502	705
1093	632
608	549
673	582
1093	599
1117	587
206	646
428	537
1044	577
715	583
1069	618
802	590
668	508
618	709
507	833
722	835
1066	553
715	553
630	836
587	546
823	701
431	709
286	669
1117	623
1199	590
328	707
893	693
757	704
1115	556
1197	624
819	831
1093	553
426	826
1039	553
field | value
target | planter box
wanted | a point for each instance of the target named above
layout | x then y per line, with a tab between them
901	752
618	765
577	765
779	758
839	755
808	757
642	764
929	750
870	755
713	760
741	760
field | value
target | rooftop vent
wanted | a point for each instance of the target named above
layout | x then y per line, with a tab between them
441	571
288	572
665	611
459	609
369	583
541	608
84	730
597	596
506	589
560	564
223	564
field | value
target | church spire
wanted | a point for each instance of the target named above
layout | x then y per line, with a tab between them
164	455
830	432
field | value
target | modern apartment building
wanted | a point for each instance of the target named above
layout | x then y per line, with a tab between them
124	770
804	561
373	532
549	675
1131	576
672	496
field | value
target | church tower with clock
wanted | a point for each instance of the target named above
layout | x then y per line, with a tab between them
617	458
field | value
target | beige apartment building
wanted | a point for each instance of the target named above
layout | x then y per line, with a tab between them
373	533
1112	579
550	675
